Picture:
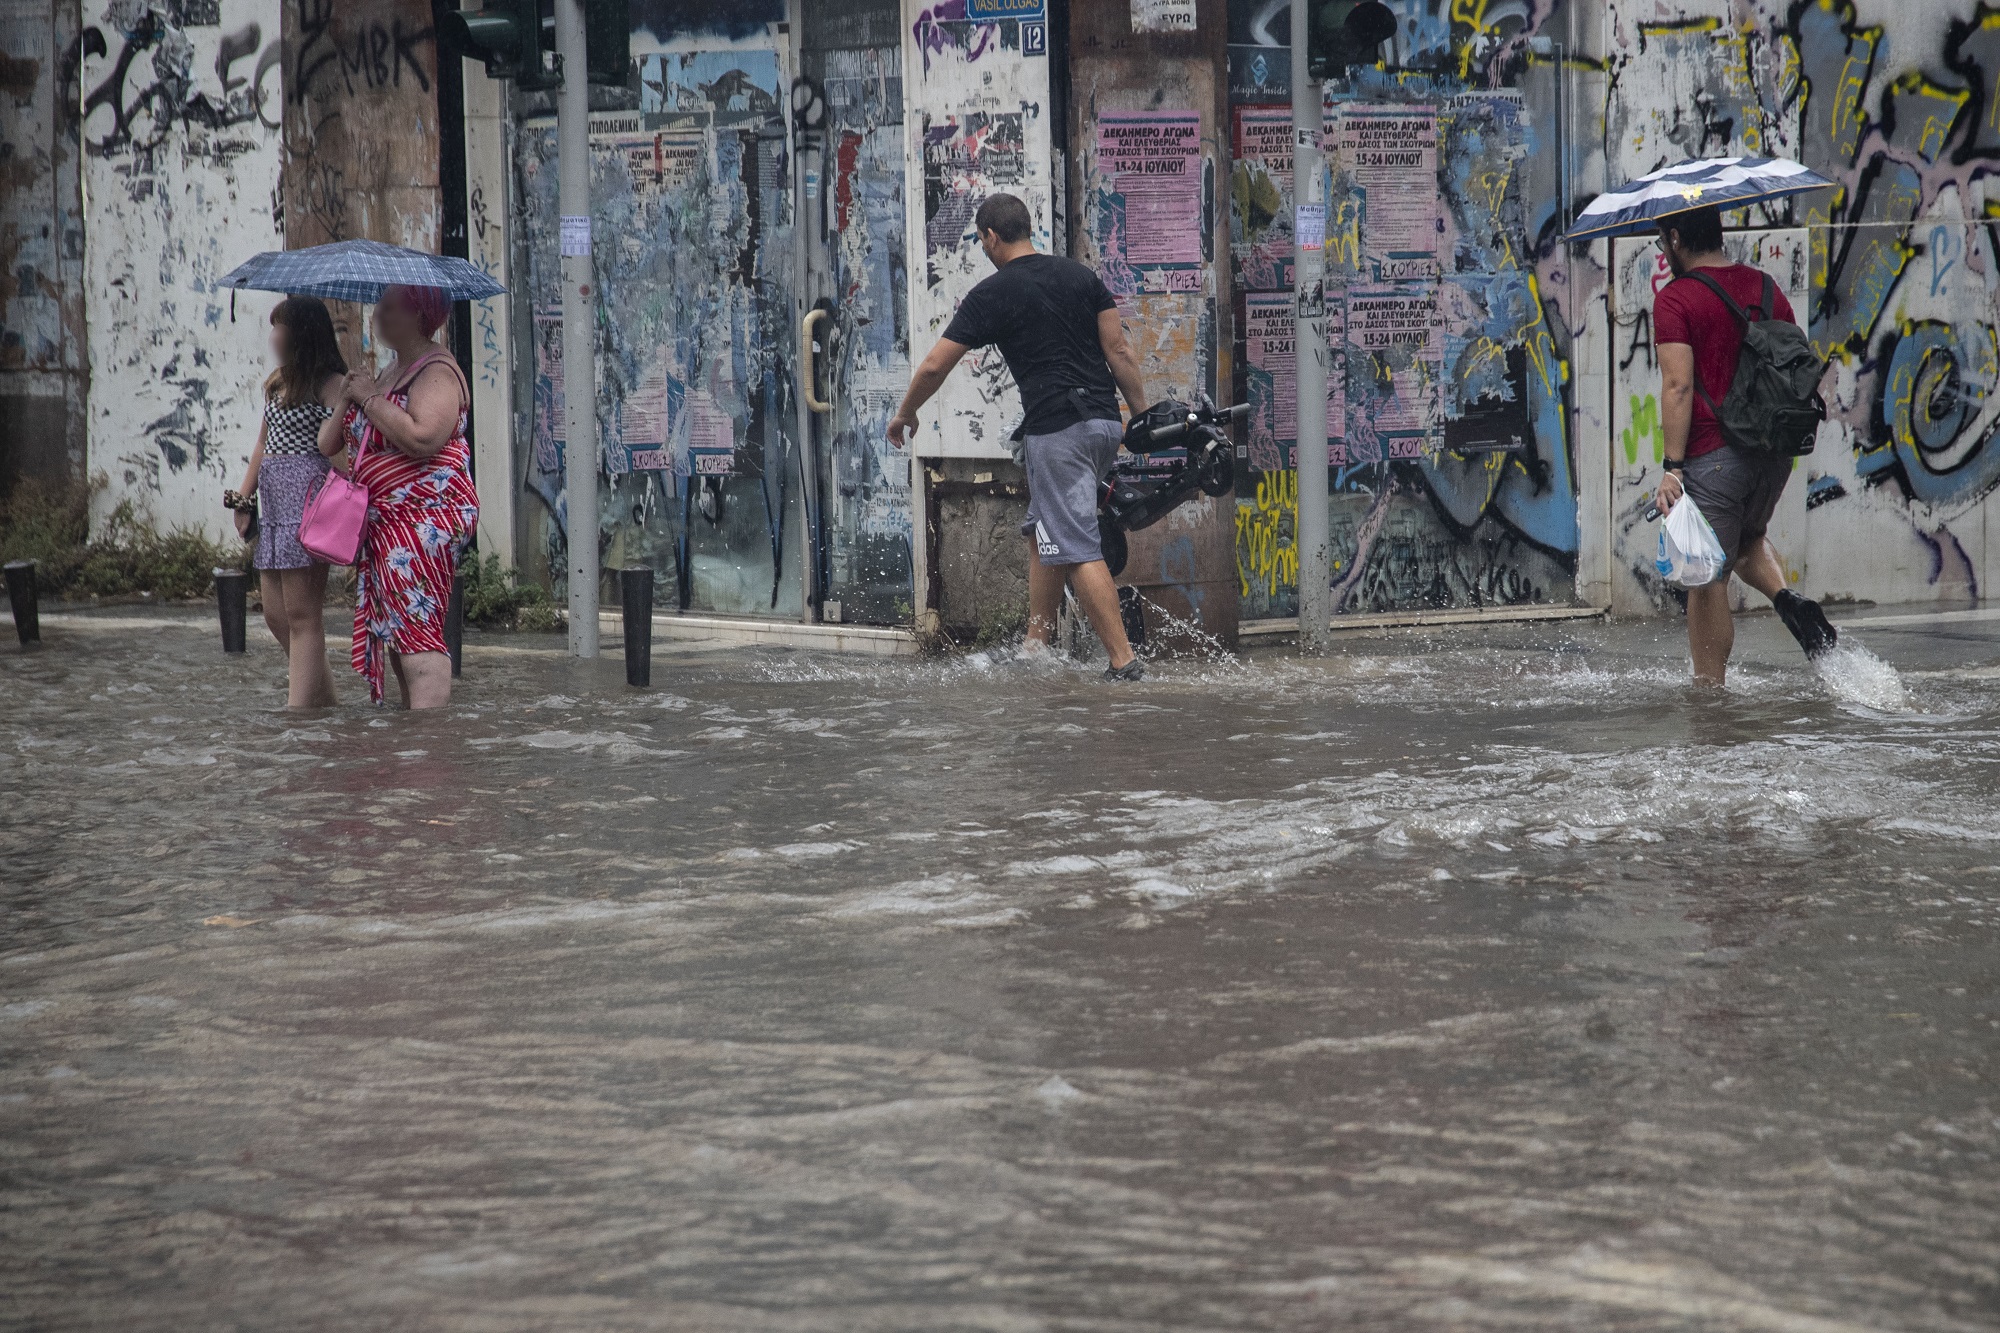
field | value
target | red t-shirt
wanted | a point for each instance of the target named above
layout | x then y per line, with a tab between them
1685	311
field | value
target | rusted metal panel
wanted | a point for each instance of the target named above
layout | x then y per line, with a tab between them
1171	277
41	246
361	129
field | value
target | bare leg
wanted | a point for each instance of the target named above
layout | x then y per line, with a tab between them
402	681
305	615
1091	582
1761	568
425	678
1711	631
1045	589
271	591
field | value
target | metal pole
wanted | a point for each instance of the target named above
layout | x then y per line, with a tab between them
454	624
232	609
25	598
635	592
1309	341
579	328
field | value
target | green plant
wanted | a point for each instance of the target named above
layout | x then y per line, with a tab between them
47	525
496	599
51	525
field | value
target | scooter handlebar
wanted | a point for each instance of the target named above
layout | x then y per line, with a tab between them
1177	429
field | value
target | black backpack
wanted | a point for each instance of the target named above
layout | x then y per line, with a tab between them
1773	405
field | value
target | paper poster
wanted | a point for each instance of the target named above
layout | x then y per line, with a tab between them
966	158
1387	155
1260	204
1149	204
1163	15
551	415
1309	227
1272	382
576	235
1395	372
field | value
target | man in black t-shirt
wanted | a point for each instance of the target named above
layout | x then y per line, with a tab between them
1058	328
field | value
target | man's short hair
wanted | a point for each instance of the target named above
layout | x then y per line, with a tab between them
1006	217
1700	229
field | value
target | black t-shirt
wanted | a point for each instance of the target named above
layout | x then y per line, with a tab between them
1042	312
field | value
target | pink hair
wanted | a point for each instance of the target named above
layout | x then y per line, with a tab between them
429	304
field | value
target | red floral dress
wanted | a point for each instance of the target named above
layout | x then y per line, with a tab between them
421	513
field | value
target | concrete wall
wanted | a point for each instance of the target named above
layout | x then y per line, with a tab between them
181	135
1900	104
360	131
42	366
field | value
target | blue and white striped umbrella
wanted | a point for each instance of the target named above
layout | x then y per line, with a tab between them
358	271
1727	182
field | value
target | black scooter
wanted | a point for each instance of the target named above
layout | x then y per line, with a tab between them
1135	496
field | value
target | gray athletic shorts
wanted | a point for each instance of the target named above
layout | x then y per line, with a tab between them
1065	471
1738	492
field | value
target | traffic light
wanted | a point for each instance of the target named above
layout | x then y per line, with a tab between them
514	39
1347	32
607	36
508	36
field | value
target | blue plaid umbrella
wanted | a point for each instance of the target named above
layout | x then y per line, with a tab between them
1726	182
358	271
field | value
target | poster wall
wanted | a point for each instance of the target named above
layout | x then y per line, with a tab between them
1271	382
1395	373
1149	222
1260	183
1387	157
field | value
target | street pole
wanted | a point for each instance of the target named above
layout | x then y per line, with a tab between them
579	327
1309	341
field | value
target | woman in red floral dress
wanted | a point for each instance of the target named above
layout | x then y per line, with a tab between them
403	437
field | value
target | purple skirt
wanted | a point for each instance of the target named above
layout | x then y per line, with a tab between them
282	486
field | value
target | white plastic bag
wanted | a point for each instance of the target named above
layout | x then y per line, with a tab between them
1689	553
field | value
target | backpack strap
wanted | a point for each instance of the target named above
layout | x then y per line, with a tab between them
1767	308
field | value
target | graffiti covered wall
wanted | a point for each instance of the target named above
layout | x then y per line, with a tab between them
181	135
1899	104
1452	464
361	131
977	89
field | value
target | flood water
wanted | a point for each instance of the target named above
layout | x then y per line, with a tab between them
1481	979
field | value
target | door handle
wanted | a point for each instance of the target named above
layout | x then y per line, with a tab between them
806	328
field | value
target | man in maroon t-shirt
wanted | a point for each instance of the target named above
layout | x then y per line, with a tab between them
1698	340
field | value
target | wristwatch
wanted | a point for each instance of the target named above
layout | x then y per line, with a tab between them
1673	465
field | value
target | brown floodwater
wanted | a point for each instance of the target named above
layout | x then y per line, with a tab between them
1482	979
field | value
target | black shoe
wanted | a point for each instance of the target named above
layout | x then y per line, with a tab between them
1131	671
1807	623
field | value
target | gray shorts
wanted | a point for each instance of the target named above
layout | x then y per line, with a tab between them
1738	492
1065	471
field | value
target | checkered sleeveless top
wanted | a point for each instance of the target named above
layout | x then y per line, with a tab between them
292	431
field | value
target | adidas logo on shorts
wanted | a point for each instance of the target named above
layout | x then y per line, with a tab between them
1043	543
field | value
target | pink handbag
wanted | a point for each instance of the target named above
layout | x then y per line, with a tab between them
335	514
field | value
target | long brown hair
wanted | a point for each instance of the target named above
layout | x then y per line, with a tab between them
312	353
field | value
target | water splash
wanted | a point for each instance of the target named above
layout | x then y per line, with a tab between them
1853	675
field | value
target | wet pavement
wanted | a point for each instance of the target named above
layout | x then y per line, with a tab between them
1474	979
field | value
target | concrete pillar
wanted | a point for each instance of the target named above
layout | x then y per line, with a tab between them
1140	74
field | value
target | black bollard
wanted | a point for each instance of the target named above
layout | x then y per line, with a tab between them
1132	611
635	586
232	606
26	600
454	623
